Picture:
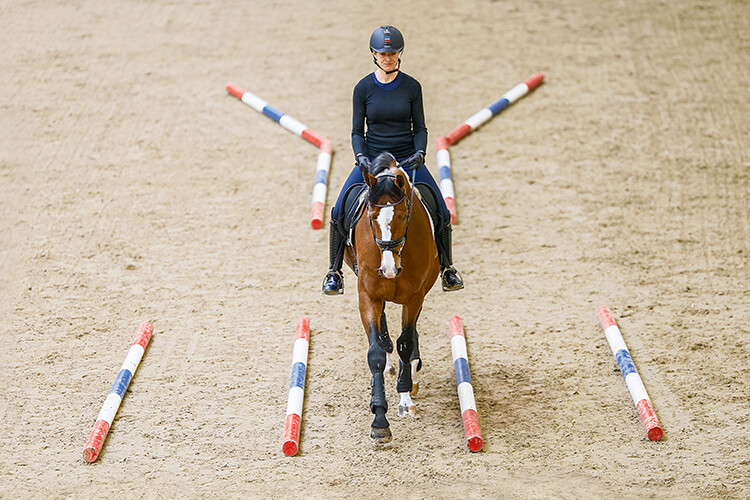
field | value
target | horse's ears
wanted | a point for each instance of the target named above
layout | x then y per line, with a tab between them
400	182
370	180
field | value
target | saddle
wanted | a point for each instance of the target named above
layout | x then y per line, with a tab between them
355	201
353	206
429	199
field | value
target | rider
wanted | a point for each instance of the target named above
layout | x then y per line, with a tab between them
389	102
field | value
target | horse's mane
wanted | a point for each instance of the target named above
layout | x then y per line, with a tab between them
386	185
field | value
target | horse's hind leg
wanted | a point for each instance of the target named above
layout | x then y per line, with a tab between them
389	370
405	389
416	364
415	361
405	346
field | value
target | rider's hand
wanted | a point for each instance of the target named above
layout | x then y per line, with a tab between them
414	161
363	162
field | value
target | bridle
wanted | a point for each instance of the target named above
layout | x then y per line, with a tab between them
397	245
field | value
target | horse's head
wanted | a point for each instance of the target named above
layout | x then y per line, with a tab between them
388	209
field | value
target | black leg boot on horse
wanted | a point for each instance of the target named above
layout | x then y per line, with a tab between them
451	278
333	284
380	431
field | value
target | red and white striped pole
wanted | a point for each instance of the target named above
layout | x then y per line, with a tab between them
632	378
464	386
320	187
473	123
296	397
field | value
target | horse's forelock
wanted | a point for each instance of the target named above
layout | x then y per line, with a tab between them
381	162
386	182
385	187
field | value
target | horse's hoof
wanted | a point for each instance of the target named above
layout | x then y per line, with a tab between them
404	410
381	436
414	389
390	371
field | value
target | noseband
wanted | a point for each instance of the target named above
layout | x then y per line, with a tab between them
392	245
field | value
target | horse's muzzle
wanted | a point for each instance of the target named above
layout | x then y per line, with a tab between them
384	274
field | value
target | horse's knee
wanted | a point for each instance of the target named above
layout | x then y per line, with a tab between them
405	347
405	344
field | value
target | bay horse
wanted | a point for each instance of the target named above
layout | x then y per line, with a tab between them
394	255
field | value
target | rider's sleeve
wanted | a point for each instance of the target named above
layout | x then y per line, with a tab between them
419	129
358	121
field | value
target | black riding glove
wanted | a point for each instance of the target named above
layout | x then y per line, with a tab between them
363	162
414	161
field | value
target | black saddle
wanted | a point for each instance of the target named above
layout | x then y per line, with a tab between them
352	207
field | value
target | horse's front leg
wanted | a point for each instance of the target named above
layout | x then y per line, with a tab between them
379	344
406	347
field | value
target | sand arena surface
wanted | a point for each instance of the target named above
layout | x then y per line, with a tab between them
133	188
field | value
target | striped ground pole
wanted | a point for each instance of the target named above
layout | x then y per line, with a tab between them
111	404
463	383
632	378
473	123
290	443
320	188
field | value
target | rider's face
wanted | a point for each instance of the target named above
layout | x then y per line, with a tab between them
388	61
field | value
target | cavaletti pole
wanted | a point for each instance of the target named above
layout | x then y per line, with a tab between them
464	386
290	443
114	398
473	123
324	157
632	378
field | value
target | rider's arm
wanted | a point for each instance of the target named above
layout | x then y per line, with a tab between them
358	122
419	129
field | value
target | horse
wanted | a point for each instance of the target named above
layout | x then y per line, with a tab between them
393	253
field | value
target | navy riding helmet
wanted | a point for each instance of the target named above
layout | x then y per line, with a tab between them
387	39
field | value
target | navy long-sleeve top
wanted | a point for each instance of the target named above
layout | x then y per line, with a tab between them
394	115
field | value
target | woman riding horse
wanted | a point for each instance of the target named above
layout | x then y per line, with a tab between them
390	103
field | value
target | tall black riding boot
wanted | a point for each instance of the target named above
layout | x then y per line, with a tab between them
451	278
333	284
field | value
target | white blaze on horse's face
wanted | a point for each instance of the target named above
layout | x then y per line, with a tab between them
387	261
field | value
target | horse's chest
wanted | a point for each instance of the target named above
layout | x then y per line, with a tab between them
386	290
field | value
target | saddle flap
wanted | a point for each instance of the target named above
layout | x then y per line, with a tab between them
428	197
352	205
